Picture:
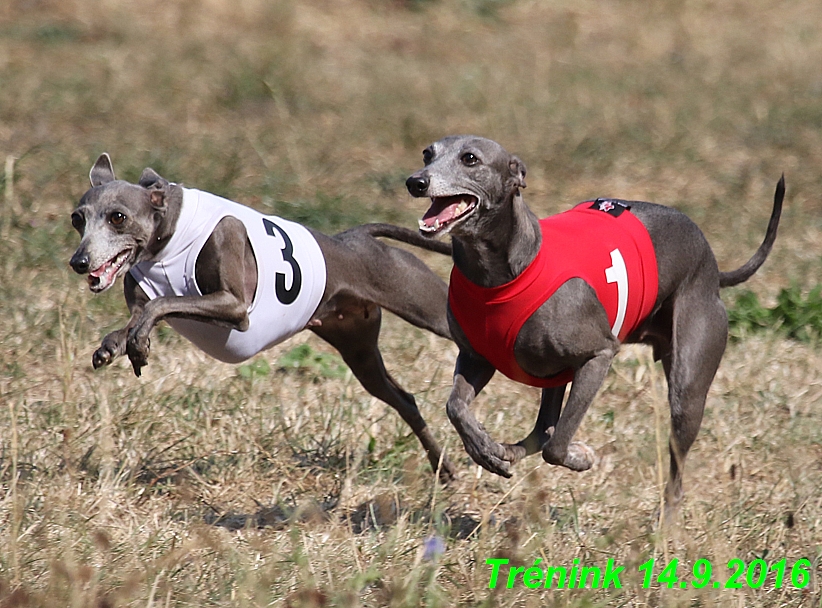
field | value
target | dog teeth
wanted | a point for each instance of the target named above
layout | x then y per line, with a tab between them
462	207
426	228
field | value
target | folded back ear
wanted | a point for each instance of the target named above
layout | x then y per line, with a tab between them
517	168
158	199
156	185
151	179
102	172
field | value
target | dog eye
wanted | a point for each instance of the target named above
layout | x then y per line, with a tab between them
469	160
78	222
117	218
427	155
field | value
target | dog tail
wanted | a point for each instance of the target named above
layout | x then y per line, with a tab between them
412	237
744	272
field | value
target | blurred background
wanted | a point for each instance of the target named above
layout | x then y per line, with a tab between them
318	110
118	491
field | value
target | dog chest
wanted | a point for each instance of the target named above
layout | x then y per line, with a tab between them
291	276
611	251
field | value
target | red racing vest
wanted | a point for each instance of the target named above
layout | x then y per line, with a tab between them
599	242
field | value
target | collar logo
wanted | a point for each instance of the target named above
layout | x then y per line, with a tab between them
611	206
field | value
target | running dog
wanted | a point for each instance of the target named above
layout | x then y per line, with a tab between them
549	302
234	281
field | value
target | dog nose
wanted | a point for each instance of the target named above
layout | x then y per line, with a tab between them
417	184
79	262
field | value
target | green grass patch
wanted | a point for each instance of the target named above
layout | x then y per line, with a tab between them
796	315
305	359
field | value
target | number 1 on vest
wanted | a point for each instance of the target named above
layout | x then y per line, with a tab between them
618	274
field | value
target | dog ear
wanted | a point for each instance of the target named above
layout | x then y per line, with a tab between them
102	172
517	168
157	198
151	180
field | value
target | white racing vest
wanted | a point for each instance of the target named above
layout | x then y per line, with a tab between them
290	276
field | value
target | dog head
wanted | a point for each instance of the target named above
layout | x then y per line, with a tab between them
470	180
118	223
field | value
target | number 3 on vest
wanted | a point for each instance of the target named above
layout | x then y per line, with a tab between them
287	296
618	274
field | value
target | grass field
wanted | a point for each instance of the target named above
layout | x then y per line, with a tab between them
281	482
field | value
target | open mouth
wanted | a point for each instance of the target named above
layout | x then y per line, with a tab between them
103	277
445	211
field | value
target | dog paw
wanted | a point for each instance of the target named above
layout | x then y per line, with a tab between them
111	347
579	457
102	356
137	350
491	456
514	452
533	443
448	472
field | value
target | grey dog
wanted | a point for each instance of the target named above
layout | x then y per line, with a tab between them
124	224
475	189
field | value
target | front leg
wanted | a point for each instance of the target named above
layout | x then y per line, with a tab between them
218	308
114	344
470	377
560	450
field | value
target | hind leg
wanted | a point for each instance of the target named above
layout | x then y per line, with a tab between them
353	329
700	332
549	409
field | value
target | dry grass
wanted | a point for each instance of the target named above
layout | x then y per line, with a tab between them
203	484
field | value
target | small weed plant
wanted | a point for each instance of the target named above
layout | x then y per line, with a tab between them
795	315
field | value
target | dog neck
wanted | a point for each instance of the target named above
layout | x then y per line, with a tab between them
166	220
505	249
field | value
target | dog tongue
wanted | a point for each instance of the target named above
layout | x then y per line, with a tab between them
100	271
443	209
102	277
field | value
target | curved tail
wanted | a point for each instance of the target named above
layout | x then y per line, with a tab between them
744	272
405	235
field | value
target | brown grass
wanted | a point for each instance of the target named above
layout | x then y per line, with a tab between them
204	484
